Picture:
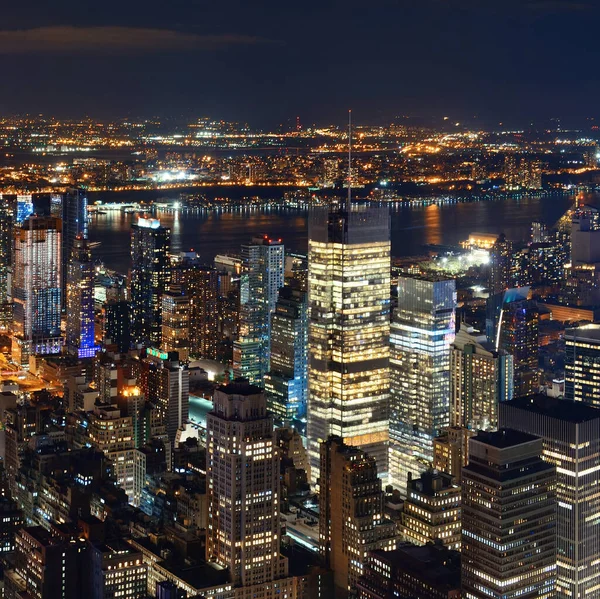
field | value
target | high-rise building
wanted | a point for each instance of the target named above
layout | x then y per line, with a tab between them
73	209
80	338
422	332
243	489
150	277
165	382
201	284
570	433
175	316
582	364
500	265
286	384
116	570
36	288
117	325
7	225
480	378
351	519
431	511
423	572
261	278
518	335
451	450
24	207
349	327
508	518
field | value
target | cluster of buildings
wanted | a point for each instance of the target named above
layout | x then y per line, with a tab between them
441	469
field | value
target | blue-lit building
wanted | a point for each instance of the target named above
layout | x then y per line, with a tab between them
286	384
72	207
80	339
24	207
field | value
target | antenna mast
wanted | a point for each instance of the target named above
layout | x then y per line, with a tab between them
349	201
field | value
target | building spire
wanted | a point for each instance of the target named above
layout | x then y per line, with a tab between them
349	200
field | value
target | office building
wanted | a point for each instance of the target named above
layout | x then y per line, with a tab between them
117	325
150	278
351	519
431	511
451	450
480	378
165	382
570	433
176	320
200	284
72	208
261	278
286	384
422	331
500	265
508	518
582	364
410	571
11	520
117	570
7	224
349	327
80	338
585	236
518	335
36	288
243	488
24	208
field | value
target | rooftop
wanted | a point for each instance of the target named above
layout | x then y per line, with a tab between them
504	438
587	331
240	388
561	409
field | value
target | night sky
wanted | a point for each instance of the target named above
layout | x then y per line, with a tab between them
266	61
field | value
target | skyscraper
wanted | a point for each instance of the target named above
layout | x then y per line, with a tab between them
508	518
480	378
570	433
74	214
261	278
349	327
422	331
175	317
582	364
36	288
80	339
500	265
150	277
351	520
243	490
7	224
286	384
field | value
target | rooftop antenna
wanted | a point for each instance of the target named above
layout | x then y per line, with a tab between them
349	200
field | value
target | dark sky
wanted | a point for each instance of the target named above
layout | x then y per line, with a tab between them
266	61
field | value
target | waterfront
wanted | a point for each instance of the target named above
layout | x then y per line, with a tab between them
413	227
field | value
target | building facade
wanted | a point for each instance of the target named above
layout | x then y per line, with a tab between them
349	327
582	364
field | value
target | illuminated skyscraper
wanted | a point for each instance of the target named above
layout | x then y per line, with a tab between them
175	315
351	520
36	288
80	339
7	224
570	433
422	331
349	328
24	207
286	384
582	364
243	491
480	378
508	518
73	210
150	277
261	278
500	265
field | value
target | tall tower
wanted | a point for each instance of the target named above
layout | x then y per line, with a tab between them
500	265
74	215
261	278
243	488
582	364
7	224
150	277
349	329
351	520
176	329
80	301
570	433
508	518
422	331
36	288
286	383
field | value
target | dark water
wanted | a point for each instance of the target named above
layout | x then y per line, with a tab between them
211	233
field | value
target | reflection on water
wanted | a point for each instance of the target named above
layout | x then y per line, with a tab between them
211	233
